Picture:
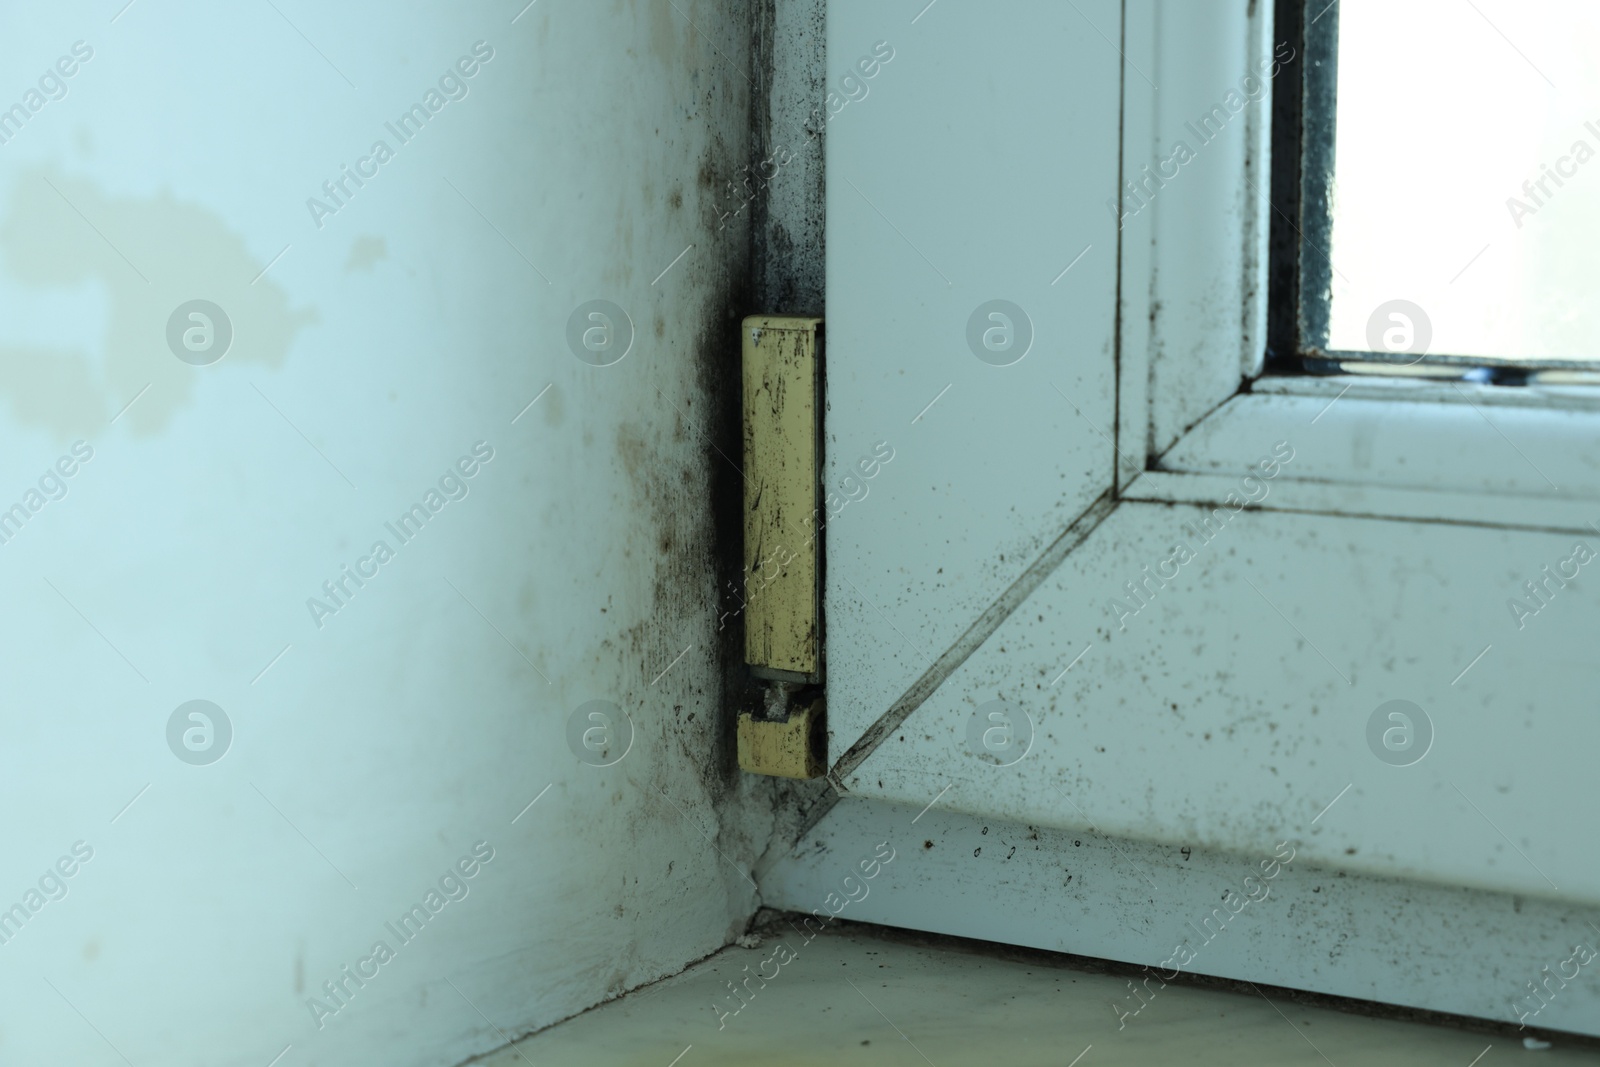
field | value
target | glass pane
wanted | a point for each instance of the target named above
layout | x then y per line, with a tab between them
1467	179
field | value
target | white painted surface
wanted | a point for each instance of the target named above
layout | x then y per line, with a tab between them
1207	719
1233	706
1197	156
1528	461
375	352
1458	440
1438	948
949	186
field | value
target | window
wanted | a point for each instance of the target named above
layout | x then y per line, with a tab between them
1194	556
1447	180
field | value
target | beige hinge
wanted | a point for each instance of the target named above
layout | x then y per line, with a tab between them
783	632
782	545
791	747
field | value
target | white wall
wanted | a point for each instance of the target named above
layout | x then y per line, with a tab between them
380	348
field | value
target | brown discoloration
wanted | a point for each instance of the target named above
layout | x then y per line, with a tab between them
183	252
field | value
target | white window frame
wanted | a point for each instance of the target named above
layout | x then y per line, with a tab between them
911	652
1534	471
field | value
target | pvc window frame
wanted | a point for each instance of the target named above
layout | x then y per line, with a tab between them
1422	448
